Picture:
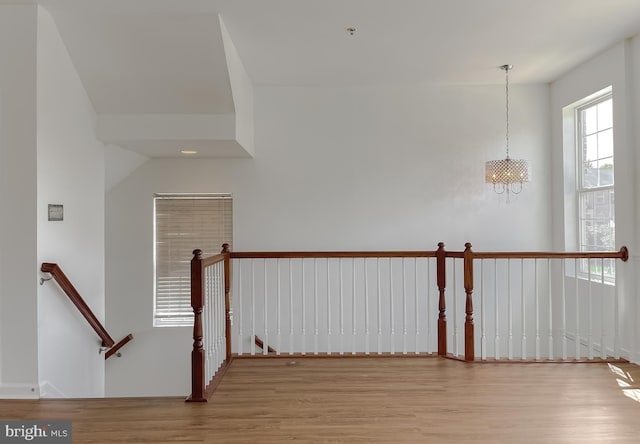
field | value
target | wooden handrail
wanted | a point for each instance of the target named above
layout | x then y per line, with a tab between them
63	281
622	254
114	350
260	343
207	261
77	300
327	254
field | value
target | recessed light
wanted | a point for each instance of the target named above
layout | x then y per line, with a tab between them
188	152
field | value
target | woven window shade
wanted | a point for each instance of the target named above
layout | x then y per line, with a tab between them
184	223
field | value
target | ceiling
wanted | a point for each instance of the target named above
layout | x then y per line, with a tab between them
167	56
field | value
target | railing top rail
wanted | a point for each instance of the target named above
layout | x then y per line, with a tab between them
328	254
622	254
207	261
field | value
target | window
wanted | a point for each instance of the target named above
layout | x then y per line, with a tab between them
182	224
596	199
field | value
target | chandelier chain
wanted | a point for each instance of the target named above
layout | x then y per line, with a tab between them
506	73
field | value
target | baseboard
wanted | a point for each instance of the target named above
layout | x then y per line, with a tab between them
19	391
48	390
584	342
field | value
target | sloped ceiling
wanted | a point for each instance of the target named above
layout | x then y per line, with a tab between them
151	57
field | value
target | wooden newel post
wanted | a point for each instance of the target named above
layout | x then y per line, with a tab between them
197	354
441	265
469	348
227	300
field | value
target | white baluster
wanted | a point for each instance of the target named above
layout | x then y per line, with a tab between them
616	312
523	304
353	305
590	309
577	344
211	312
483	330
278	311
497	311
603	347
291	318
455	310
328	309
265	309
315	307
509	309
341	308
404	308
550	321
213	340
213	321
563	331
215	328
366	306
415	298
535	284
217	312
253	308
304	312
379	304
206	324
430	322
391	311
240	313
221	316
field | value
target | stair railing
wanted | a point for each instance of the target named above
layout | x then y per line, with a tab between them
211	354
395	303
109	345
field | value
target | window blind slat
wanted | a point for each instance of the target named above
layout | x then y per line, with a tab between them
182	224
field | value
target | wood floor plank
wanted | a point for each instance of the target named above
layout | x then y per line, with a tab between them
381	400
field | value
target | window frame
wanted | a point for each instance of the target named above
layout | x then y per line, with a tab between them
581	190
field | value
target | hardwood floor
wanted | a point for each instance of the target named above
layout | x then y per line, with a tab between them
365	400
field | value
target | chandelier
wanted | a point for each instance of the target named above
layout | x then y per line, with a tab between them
507	175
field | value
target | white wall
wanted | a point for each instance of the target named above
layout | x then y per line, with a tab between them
70	172
633	108
118	164
242	91
18	260
350	168
613	67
